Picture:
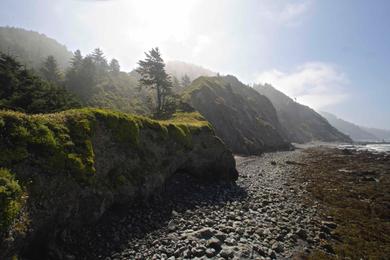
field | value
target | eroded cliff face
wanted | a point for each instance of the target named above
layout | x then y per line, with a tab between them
245	120
71	167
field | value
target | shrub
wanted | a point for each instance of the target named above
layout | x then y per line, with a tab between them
10	199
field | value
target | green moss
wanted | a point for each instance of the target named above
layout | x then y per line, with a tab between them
10	199
126	131
180	135
62	143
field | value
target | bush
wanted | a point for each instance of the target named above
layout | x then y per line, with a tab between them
10	199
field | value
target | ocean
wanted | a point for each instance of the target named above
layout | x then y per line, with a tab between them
374	147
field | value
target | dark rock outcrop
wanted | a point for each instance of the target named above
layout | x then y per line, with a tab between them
245	120
73	166
300	123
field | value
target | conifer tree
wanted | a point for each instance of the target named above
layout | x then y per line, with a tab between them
185	81
50	71
21	90
153	75
114	66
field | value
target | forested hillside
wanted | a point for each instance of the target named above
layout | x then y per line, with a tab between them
101	83
32	48
22	90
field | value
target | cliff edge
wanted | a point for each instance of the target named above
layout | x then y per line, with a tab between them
63	170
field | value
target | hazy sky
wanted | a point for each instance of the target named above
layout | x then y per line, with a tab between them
331	55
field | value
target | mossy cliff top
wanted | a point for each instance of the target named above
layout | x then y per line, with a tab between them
65	139
73	165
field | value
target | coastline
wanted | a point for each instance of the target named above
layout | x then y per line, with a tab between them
301	204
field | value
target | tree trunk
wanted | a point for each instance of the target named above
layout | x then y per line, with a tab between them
158	100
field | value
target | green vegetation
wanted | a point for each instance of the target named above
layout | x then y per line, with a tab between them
70	167
209	83
10	199
50	71
154	76
21	90
63	141
95	81
98	83
245	120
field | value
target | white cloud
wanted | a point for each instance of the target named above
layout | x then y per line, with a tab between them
315	84
289	14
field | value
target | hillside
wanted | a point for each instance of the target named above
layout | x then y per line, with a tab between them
180	68
31	48
245	120
300	123
381	134
356	132
63	171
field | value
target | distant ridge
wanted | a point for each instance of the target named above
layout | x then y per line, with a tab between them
381	134
300	123
180	68
31	48
356	132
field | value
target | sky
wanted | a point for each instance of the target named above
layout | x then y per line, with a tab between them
331	55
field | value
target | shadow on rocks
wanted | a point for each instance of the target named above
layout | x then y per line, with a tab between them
124	224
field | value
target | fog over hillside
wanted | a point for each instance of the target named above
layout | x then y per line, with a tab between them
180	68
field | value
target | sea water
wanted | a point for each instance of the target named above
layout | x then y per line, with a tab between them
374	147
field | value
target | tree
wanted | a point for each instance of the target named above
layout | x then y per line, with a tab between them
153	75
21	90
99	59
114	66
185	81
76	60
176	86
50	71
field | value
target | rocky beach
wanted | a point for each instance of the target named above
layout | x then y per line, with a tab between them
272	212
262	216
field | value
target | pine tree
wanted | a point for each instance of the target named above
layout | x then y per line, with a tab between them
82	76
50	71
21	90
153	75
77	60
185	81
114	66
175	83
99	59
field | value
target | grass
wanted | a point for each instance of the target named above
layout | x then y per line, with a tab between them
353	188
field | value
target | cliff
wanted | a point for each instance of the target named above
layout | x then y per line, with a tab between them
63	170
300	123
245	120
